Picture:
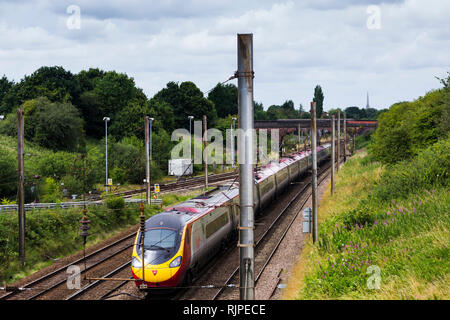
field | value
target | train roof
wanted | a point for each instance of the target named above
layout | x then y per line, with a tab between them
208	201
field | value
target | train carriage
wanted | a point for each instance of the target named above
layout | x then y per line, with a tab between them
182	239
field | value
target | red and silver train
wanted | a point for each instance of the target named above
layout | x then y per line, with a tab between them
182	239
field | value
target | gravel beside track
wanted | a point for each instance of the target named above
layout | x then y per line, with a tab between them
219	273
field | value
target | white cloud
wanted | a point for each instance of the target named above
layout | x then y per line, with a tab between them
296	45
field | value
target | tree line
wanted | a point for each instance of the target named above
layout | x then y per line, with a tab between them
64	112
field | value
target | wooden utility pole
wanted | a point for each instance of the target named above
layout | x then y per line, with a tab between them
345	138
205	155
338	140
20	188
333	155
314	170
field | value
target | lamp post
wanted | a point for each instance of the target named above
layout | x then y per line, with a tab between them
150	171
232	141
148	156
106	119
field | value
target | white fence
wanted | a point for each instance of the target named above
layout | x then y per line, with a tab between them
65	205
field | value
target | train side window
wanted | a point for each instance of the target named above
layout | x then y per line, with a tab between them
216	224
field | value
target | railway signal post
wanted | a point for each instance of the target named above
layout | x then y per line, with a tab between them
245	149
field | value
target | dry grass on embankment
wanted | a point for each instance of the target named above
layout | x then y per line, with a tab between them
405	239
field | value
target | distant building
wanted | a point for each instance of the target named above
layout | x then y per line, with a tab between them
367	105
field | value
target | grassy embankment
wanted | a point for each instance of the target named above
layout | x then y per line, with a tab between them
392	221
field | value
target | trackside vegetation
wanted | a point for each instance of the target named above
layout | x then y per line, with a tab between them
53	234
384	234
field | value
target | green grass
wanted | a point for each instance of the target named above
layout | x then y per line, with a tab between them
403	234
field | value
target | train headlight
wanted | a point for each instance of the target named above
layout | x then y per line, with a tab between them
136	263
176	262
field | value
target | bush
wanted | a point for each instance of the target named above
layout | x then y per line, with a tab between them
119	175
73	185
50	191
429	169
8	174
53	125
115	203
409	127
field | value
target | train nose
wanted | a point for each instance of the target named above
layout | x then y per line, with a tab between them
155	274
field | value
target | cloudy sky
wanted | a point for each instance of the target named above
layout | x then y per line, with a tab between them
393	49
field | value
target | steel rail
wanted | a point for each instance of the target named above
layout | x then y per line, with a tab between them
287	229
97	282
63	268
95	264
233	274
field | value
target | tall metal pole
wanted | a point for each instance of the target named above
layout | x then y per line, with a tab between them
205	155
246	167
333	155
345	137
314	170
338	140
150	166
106	119
190	136
21	180
147	158
299	140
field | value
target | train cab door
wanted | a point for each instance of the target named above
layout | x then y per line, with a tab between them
198	244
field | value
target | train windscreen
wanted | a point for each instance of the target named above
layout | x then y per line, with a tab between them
157	239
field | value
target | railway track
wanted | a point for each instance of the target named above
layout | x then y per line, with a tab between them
54	283
180	184
261	264
265	248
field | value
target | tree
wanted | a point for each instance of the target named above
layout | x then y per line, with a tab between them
130	120
186	100
53	125
225	98
58	126
318	99
409	127
54	83
5	86
285	111
354	113
260	114
112	92
8	175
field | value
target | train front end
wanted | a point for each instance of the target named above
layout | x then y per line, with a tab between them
165	264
